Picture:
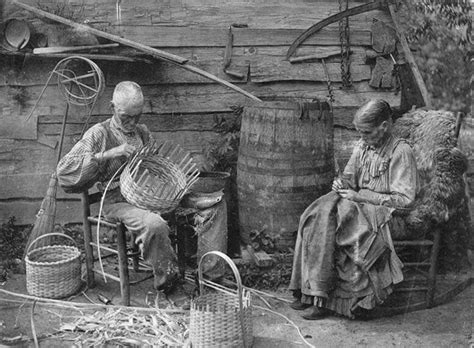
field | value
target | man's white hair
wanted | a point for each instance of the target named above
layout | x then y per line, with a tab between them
127	93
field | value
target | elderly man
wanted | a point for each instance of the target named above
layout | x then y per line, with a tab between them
344	258
98	156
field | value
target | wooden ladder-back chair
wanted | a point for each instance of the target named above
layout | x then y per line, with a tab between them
425	265
123	252
433	136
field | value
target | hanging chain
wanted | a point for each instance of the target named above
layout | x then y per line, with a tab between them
329	83
344	38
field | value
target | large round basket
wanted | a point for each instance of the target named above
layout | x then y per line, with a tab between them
222	319
53	271
158	177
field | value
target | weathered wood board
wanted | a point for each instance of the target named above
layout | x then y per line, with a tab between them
180	106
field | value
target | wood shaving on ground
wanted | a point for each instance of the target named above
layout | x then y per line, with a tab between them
129	327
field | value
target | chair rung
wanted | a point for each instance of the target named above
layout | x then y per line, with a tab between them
424	242
104	248
416	264
107	275
95	220
129	254
420	288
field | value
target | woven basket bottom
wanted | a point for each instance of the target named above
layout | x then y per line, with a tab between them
53	271
215	322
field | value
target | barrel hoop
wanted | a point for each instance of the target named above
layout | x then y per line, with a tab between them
265	167
276	189
291	105
320	155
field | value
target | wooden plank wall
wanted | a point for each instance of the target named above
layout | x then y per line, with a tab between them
180	106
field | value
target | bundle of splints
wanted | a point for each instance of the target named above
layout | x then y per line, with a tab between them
158	176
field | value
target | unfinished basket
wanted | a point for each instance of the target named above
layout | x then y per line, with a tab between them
53	271
158	177
222	319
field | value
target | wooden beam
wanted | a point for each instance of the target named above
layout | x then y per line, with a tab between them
108	57
410	59
177	60
62	49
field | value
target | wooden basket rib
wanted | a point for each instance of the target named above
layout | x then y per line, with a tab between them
158	177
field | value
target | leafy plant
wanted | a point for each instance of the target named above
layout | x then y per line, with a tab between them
261	240
278	275
221	154
440	31
12	242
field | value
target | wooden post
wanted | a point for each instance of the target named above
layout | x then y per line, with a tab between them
410	59
433	268
123	264
87	239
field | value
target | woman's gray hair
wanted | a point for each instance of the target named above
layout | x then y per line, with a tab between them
373	113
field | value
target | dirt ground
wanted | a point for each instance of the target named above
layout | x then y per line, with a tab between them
447	325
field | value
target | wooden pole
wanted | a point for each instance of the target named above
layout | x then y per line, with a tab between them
410	59
171	58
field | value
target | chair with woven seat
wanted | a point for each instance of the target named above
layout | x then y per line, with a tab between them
123	252
441	166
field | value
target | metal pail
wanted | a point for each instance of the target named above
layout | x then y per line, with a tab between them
15	34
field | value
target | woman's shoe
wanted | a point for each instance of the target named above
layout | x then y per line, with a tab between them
298	305
316	313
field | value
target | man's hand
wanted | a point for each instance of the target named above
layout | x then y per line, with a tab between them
348	194
122	150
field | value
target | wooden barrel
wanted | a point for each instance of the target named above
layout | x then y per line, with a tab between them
285	162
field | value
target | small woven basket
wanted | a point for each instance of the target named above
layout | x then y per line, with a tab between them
222	319
53	271
158	177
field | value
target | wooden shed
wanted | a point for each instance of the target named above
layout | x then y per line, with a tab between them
181	106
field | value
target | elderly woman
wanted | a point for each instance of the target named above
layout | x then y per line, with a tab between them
344	258
97	157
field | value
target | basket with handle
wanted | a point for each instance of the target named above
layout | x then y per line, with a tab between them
158	176
222	318
53	271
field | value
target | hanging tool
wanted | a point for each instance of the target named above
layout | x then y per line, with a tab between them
160	54
376	5
228	56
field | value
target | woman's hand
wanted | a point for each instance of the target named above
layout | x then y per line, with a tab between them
348	194
337	184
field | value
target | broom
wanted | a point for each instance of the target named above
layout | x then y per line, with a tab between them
45	217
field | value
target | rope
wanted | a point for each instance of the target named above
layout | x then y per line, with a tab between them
289	321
